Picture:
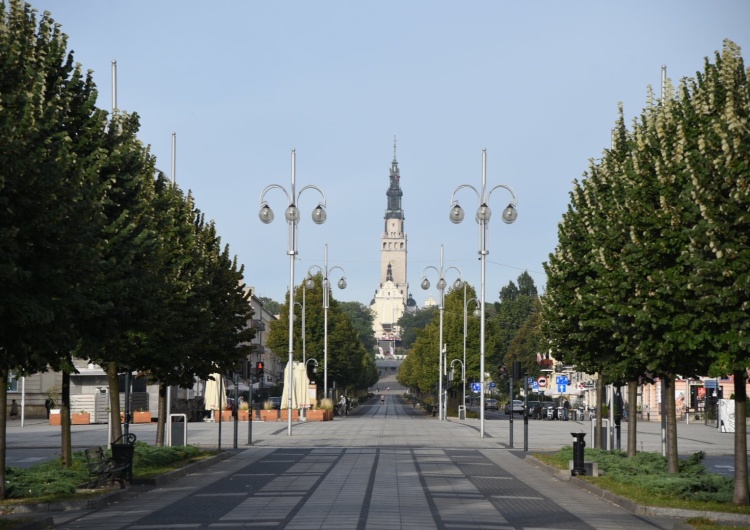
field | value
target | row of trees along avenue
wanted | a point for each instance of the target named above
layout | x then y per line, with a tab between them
350	364
512	333
101	257
651	275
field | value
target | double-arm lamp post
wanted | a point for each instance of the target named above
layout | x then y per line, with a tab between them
325	271
441	284
292	218
483	219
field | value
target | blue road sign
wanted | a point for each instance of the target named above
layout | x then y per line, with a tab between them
492	384
562	389
476	387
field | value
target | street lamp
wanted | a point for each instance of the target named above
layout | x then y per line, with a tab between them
476	314
483	219
441	284
325	271
315	368
292	218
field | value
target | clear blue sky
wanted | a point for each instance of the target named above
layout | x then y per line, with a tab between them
536	83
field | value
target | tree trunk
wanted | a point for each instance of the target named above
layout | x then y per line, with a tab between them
162	412
114	400
741	496
673	462
632	418
3	426
65	442
598	430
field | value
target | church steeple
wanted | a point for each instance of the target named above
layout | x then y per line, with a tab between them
394	192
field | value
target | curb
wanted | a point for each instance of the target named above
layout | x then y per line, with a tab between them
631	506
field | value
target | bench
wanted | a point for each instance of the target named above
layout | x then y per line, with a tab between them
102	470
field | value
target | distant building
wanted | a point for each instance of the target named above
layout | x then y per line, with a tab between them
392	295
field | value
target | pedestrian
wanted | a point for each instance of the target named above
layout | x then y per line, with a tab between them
342	405
566	410
348	405
13	410
382	399
48	405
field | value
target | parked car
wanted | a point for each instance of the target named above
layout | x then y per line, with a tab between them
490	404
517	407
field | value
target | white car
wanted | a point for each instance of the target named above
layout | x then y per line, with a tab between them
517	407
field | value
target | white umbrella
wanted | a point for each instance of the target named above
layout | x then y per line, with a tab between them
214	398
299	393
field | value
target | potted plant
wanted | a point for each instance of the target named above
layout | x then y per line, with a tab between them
269	413
51	401
80	418
244	413
326	405
285	414
142	416
316	414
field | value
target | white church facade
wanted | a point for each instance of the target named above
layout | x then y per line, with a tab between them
392	297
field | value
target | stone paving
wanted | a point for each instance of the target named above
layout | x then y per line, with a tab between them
385	467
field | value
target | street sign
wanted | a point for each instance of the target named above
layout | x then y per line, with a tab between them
476	387
542	382
562	389
530	381
492	384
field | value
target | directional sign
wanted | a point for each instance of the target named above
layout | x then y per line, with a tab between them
562	380
562	389
476	387
542	382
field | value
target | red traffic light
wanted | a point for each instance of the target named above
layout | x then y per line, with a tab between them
259	365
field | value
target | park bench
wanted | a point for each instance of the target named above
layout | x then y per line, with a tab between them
103	471
106	471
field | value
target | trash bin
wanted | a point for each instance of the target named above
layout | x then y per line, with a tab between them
461	412
177	430
123	450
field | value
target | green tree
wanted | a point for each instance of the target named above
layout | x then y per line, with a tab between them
50	133
411	323
362	319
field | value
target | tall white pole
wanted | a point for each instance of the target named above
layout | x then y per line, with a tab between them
482	256
464	365
325	322
292	253
174	158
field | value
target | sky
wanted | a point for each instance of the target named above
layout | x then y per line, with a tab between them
242	83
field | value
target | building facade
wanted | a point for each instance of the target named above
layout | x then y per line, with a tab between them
392	295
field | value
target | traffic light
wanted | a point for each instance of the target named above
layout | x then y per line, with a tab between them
259	369
517	370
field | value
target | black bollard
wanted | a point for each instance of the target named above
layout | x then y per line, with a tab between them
578	456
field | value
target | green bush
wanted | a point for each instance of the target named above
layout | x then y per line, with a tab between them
50	478
649	472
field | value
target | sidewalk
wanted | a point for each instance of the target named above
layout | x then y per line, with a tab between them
385	466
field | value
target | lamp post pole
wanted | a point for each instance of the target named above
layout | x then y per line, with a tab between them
483	218
325	271
441	284
292	218
466	309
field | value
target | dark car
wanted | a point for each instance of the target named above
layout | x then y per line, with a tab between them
275	402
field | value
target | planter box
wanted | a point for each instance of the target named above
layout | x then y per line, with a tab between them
243	415
81	418
269	415
316	415
55	418
226	415
285	414
142	417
